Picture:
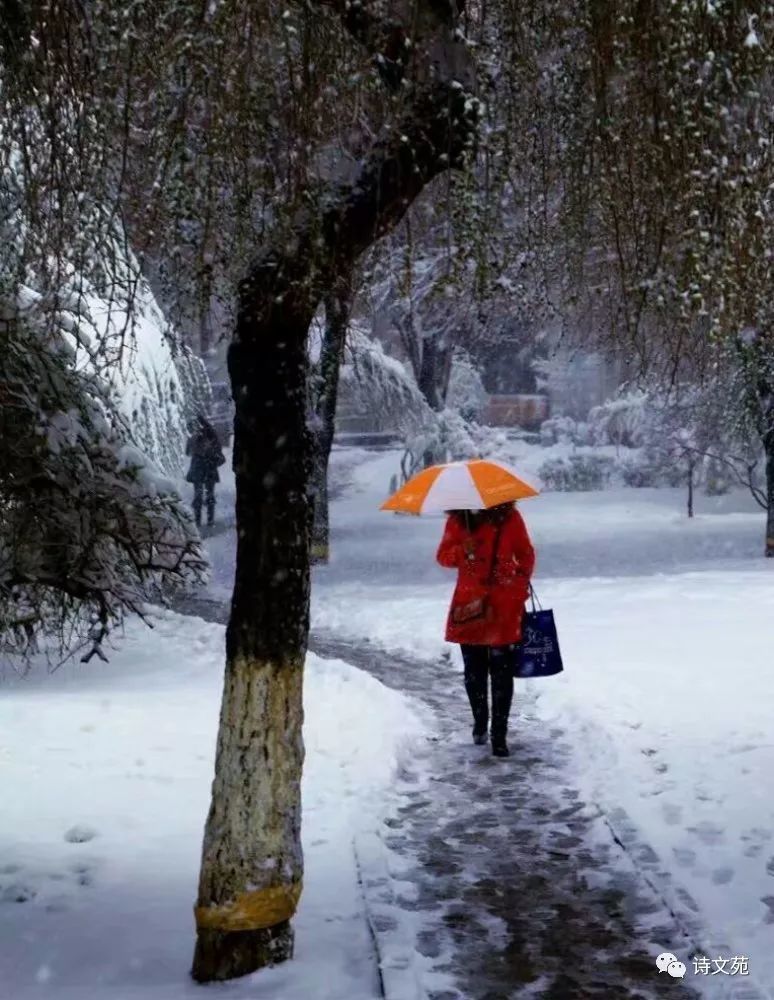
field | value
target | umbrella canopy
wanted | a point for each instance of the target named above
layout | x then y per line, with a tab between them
473	485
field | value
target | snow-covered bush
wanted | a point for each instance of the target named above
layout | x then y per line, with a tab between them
156	383
636	468
448	437
383	386
621	421
466	393
564	430
93	400
580	472
685	434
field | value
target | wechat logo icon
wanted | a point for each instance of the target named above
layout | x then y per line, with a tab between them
671	964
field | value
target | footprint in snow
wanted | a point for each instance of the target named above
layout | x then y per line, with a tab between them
708	833
672	813
770	866
722	876
17	892
757	833
768	902
80	834
84	873
687	899
684	856
756	839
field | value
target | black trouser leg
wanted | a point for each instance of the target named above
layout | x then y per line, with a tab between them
198	498
476	663
210	503
501	671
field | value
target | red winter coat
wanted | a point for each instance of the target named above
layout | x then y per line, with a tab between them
506	597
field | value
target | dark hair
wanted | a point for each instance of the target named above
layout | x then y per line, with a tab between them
203	426
472	519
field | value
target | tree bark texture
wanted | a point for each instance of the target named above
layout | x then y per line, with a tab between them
337	312
252	862
434	370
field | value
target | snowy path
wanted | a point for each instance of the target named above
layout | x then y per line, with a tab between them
521	887
659	728
511	884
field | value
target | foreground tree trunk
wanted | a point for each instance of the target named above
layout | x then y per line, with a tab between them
251	863
337	312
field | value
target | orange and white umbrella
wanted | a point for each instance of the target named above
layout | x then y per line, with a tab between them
472	485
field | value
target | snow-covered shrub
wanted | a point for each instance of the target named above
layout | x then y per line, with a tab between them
621	421
384	386
635	468
448	437
155	381
91	428
581	472
466	393
381	385
564	430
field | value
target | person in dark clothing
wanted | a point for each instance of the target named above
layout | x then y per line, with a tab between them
493	555
207	456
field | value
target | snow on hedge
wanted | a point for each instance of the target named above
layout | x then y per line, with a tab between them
156	382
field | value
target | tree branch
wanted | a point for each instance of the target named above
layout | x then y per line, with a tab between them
744	478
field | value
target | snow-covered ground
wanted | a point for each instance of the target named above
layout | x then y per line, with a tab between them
105	773
667	628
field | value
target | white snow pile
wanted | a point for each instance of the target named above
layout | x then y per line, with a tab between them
106	784
156	382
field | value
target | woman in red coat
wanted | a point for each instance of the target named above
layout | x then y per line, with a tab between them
494	559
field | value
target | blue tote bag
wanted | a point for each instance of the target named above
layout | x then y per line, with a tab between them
540	655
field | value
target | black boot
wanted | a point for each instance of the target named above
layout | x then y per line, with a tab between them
210	513
197	511
476	675
501	667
